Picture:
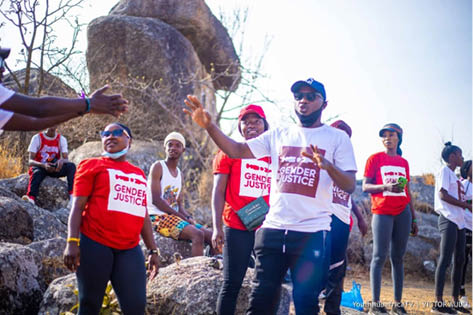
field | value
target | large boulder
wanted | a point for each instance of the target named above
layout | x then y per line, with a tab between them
16	225
192	286
61	296
51	259
152	65
52	195
168	248
45	224
196	22
20	289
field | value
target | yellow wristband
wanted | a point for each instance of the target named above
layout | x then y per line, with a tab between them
73	239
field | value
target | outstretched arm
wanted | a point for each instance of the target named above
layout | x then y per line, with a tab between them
233	149
50	106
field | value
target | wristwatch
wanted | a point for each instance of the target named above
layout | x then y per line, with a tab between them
153	252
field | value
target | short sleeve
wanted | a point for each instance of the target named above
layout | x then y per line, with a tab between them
5	94
34	144
261	145
444	179
221	163
63	145
85	177
370	167
344	156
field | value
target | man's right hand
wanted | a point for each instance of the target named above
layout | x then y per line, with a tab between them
197	112
217	239
107	104
50	168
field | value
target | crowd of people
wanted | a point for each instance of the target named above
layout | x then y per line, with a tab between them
281	201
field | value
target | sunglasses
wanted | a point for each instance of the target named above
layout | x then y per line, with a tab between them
2	63
311	96
115	133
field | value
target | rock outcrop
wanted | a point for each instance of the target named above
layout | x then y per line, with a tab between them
20	284
195	21
60	296
16	225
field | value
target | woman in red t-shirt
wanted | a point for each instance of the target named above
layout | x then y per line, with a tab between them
108	215
386	174
237	183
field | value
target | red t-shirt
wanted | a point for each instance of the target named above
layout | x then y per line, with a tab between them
248	179
386	169
116	207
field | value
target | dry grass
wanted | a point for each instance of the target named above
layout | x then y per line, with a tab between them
429	179
11	163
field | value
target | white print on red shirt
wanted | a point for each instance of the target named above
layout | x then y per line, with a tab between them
255	178
340	196
390	175
297	174
127	193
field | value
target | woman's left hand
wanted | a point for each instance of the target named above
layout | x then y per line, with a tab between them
414	228
153	266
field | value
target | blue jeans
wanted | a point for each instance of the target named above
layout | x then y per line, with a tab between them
307	255
236	255
124	268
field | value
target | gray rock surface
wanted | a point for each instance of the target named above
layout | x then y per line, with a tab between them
196	22
154	66
45	224
60	296
168	247
16	225
20	285
191	287
53	192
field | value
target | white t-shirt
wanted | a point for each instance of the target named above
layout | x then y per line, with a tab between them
341	204
301	193
170	189
5	115
35	143
468	196
447	180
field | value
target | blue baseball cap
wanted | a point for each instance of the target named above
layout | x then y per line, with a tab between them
311	82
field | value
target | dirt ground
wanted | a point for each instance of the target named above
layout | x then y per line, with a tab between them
418	293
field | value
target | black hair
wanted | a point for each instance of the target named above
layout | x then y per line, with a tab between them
124	127
398	149
448	150
464	169
265	122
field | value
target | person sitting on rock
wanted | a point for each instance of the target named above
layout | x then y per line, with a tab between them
168	217
48	157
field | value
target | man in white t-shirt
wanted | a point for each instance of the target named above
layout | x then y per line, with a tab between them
307	159
26	113
48	156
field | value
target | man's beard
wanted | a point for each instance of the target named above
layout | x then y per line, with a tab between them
309	120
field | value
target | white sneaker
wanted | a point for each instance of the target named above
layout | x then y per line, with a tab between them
464	302
26	198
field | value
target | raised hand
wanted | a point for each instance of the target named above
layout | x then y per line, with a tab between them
317	158
197	112
101	103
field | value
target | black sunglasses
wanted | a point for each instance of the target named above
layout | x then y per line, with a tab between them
115	133
311	96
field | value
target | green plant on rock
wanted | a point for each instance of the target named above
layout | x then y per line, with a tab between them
110	305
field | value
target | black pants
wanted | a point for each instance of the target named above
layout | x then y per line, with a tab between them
236	255
38	174
307	255
124	268
465	265
339	238
452	243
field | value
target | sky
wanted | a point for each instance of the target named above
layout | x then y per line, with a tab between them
404	61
